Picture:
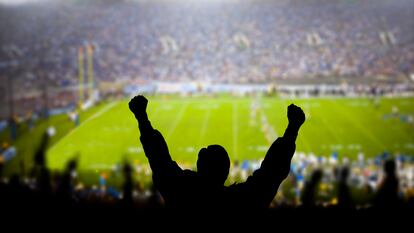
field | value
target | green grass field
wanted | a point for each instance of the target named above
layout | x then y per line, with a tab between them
348	126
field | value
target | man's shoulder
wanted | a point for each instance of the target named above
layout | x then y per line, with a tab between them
235	187
188	172
189	175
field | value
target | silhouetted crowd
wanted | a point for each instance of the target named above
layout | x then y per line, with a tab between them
314	183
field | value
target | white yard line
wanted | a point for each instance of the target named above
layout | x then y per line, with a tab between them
97	114
330	130
274	135
204	127
235	129
359	125
177	119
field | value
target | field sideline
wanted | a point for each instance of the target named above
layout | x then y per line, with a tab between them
245	126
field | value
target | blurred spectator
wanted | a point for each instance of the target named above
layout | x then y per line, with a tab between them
311	189
388	193
344	194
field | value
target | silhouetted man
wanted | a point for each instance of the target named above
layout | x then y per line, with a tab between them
205	188
344	194
387	195
311	188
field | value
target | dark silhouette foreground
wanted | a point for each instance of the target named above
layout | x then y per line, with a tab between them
205	188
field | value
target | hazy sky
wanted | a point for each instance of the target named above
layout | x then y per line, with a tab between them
14	2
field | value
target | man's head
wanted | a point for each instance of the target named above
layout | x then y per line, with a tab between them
213	164
389	167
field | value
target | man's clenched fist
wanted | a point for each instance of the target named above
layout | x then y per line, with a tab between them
295	115
138	104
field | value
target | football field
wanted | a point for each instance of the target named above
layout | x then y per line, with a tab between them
245	126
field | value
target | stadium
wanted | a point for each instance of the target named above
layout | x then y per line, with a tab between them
215	72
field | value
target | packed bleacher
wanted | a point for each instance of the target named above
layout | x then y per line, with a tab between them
216	41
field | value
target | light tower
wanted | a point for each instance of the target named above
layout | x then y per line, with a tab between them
80	74
91	82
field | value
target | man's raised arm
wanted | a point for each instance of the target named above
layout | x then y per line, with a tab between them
138	106
277	160
152	141
262	186
296	118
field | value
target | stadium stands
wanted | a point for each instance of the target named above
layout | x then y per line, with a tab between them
221	42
